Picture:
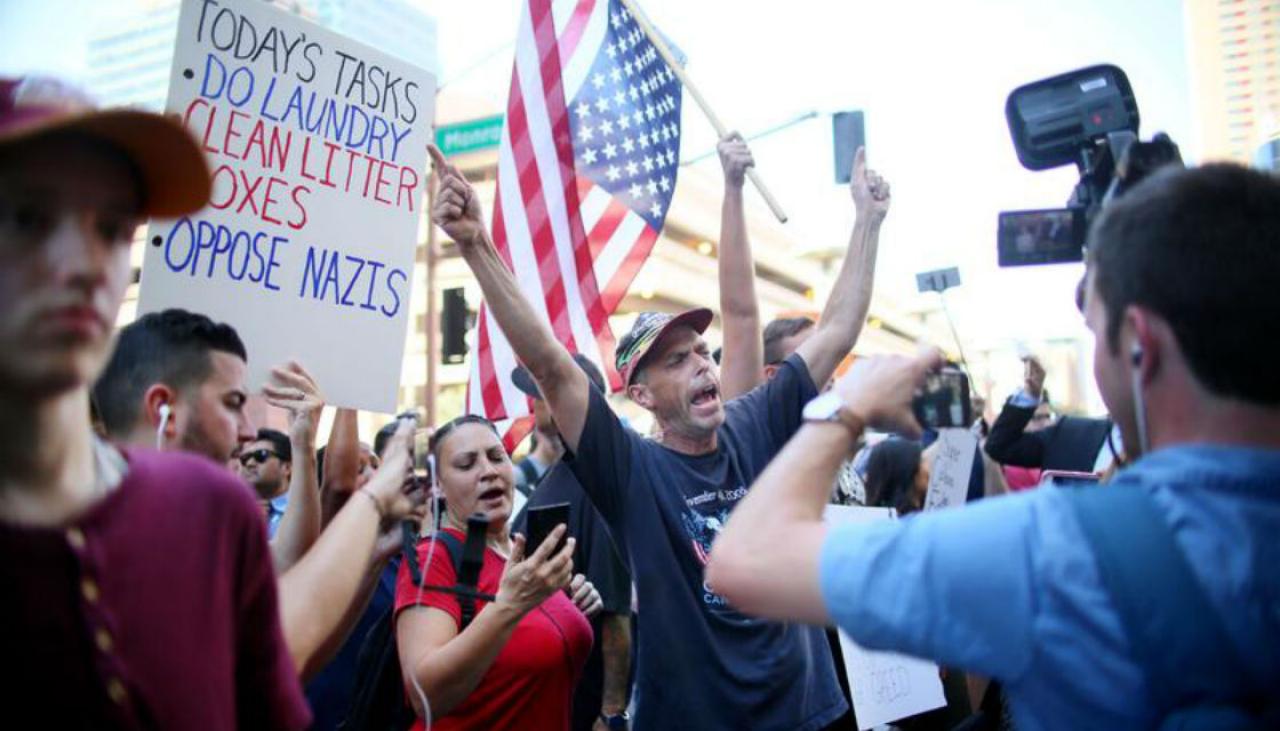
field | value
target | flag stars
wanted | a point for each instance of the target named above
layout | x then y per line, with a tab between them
620	97
585	133
610	151
606	127
632	168
665	183
648	163
652	187
602	104
584	110
598	81
615	75
589	156
655	210
613	173
637	193
624	122
628	144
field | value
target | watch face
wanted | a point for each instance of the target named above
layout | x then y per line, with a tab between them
823	408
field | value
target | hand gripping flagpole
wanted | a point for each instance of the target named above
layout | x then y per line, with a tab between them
661	46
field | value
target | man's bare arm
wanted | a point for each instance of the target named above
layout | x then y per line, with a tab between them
615	645
341	464
850	300
742	361
765	561
293	389
564	385
316	593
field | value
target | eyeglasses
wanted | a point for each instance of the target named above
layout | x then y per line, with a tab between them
258	455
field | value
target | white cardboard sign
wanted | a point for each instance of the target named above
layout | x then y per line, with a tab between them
949	473
886	686
317	145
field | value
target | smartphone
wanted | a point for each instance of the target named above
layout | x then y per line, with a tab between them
848	133
944	400
1064	478
541	521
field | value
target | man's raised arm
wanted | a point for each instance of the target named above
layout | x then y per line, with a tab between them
742	365
457	212
850	299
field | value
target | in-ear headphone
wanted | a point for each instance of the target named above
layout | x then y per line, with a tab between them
1135	355
164	412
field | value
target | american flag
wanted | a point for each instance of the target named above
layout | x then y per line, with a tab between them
586	172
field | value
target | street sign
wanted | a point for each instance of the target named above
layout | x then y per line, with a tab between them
470	136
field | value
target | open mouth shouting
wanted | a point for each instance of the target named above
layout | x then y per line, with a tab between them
706	398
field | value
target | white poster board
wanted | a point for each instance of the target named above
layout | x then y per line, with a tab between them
886	686
317	145
952	465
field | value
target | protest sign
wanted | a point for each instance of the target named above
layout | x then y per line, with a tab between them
317	146
885	686
952	464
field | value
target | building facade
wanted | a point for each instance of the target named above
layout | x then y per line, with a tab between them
1234	51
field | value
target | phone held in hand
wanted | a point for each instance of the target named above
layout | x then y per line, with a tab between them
541	521
944	400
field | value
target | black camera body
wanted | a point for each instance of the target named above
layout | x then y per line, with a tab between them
1088	118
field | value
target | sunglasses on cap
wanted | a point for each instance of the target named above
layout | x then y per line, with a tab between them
258	455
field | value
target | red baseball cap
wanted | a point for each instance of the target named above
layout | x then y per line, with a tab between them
175	178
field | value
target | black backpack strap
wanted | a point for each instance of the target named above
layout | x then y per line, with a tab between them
464	589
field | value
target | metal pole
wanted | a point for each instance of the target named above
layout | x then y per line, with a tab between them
431	325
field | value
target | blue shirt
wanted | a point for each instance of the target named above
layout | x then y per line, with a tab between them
1010	588
701	664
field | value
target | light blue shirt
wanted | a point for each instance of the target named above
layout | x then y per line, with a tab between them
1009	587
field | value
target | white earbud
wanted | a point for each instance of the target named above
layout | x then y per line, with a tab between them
1139	405
164	412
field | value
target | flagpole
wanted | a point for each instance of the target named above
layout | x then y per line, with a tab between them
656	39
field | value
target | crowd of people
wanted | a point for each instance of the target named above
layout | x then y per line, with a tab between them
174	565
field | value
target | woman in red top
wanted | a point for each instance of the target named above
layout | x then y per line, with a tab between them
516	664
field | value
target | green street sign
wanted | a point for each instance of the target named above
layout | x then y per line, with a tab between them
470	136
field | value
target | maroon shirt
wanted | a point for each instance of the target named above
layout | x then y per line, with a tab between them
155	609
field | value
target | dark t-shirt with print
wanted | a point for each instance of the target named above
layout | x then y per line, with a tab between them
700	663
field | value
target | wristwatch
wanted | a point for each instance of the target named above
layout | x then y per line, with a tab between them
830	408
617	720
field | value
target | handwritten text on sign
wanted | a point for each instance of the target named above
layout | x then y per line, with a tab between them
317	147
952	464
886	686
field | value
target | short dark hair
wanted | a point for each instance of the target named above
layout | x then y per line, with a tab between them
170	347
279	442
777	331
1201	248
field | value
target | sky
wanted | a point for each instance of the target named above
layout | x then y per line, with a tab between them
931	77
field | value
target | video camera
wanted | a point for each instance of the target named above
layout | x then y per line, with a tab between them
1088	117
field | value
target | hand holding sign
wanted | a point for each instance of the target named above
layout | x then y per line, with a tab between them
457	209
293	389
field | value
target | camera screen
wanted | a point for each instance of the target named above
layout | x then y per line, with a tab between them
1040	237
